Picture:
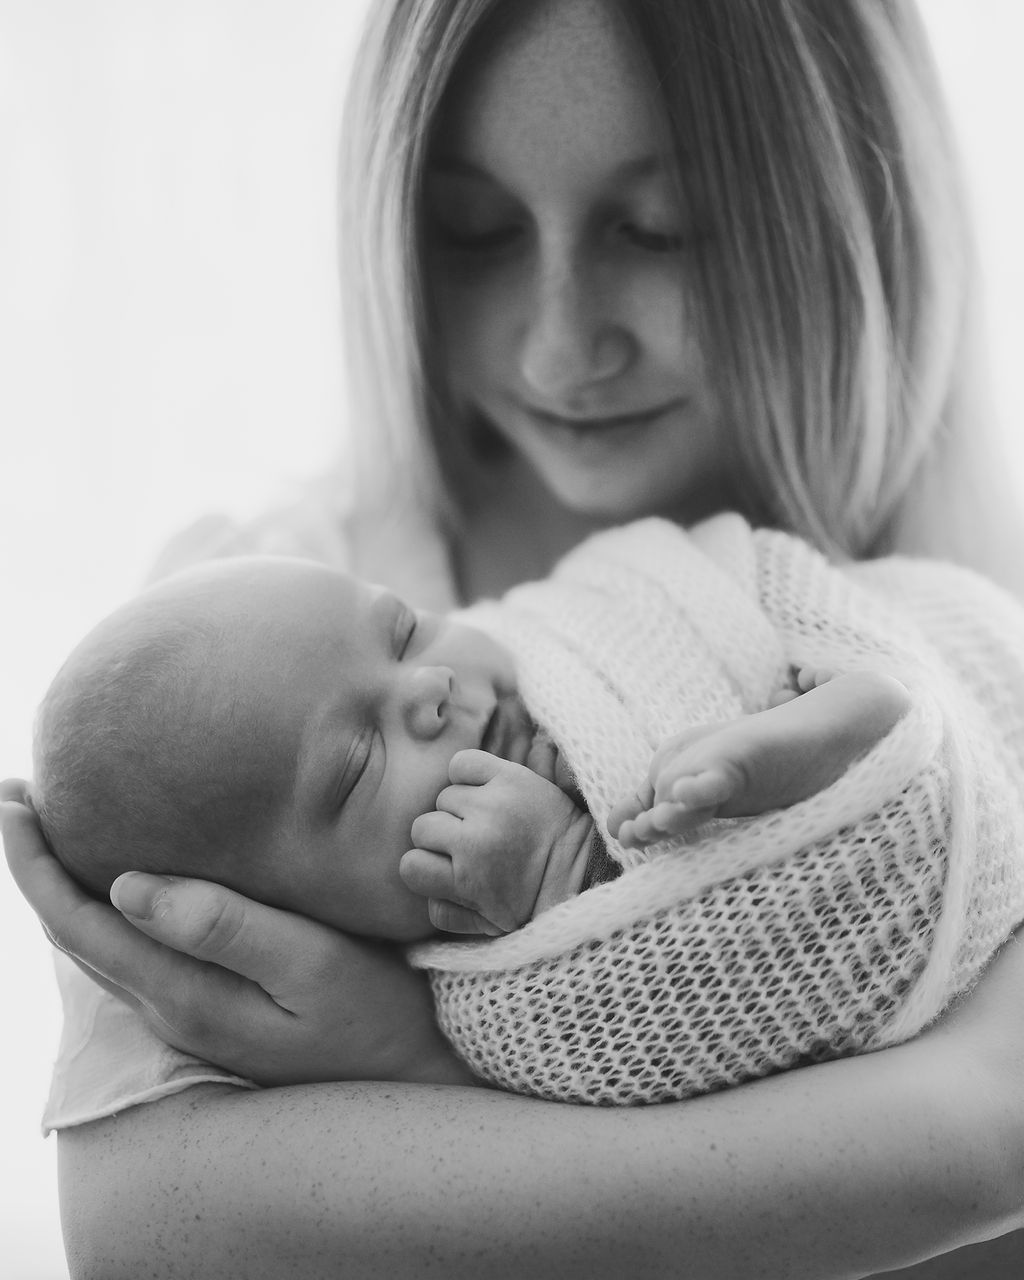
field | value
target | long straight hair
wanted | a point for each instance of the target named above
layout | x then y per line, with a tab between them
836	294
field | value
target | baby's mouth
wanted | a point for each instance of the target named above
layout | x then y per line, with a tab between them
509	730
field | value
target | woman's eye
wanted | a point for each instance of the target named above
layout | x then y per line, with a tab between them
463	241
653	241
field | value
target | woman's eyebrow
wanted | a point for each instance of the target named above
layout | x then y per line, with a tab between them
633	169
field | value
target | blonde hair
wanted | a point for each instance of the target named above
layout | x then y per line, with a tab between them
837	294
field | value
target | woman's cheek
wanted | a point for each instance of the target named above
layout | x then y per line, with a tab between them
476	316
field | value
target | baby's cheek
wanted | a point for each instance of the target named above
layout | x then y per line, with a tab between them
422	797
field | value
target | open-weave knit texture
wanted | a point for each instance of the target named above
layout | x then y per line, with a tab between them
841	924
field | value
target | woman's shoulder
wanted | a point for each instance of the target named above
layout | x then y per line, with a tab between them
388	536
314	521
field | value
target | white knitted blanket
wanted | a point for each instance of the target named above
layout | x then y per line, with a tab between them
842	924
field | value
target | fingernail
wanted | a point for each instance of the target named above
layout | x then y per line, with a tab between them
136	894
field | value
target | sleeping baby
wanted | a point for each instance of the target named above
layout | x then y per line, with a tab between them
696	866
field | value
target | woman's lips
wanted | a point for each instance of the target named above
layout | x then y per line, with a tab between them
600	422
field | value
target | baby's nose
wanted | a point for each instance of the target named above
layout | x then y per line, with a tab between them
428	701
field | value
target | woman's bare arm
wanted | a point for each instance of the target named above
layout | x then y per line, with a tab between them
833	1171
837	1170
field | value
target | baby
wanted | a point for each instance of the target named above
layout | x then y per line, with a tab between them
312	742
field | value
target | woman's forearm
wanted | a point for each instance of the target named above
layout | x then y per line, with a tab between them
835	1171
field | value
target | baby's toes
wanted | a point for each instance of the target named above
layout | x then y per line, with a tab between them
665	819
674	818
809	678
707	789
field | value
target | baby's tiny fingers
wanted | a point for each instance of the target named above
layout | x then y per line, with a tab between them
436	830
475	768
431	875
449	917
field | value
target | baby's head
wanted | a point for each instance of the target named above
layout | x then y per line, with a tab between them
273	725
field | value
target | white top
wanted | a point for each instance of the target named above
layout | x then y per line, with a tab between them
108	1059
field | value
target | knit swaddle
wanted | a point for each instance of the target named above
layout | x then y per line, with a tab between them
841	924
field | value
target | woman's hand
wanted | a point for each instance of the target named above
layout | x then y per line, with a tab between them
267	994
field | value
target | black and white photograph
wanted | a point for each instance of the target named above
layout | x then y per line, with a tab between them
512	549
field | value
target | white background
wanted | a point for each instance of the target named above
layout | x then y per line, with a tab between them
169	339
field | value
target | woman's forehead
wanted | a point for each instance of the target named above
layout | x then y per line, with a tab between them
564	81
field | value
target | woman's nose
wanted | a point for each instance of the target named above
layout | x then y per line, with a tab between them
427	701
572	336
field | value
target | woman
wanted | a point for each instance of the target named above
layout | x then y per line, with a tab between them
609	259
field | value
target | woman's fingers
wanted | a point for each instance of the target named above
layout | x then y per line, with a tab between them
192	917
220	927
49	892
268	994
74	922
99	940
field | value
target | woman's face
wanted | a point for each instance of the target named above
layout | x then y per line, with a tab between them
561	260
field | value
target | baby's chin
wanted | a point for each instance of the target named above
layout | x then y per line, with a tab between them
509	733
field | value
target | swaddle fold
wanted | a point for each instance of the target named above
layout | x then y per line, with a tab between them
841	924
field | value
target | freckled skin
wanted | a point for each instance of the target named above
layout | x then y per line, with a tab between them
576	306
781	1178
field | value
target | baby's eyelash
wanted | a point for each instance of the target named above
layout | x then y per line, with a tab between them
407	631
354	766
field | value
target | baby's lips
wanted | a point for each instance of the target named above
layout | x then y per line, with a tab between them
509	731
490	736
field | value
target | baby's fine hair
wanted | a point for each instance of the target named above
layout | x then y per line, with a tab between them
131	770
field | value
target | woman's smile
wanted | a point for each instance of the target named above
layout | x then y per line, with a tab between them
573	331
586	424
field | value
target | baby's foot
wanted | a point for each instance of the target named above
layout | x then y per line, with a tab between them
804	680
765	761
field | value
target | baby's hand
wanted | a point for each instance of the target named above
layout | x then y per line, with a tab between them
502	843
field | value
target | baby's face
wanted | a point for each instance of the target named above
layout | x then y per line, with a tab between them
368	701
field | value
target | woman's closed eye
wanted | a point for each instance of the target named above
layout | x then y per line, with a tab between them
505	239
651	240
491	240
